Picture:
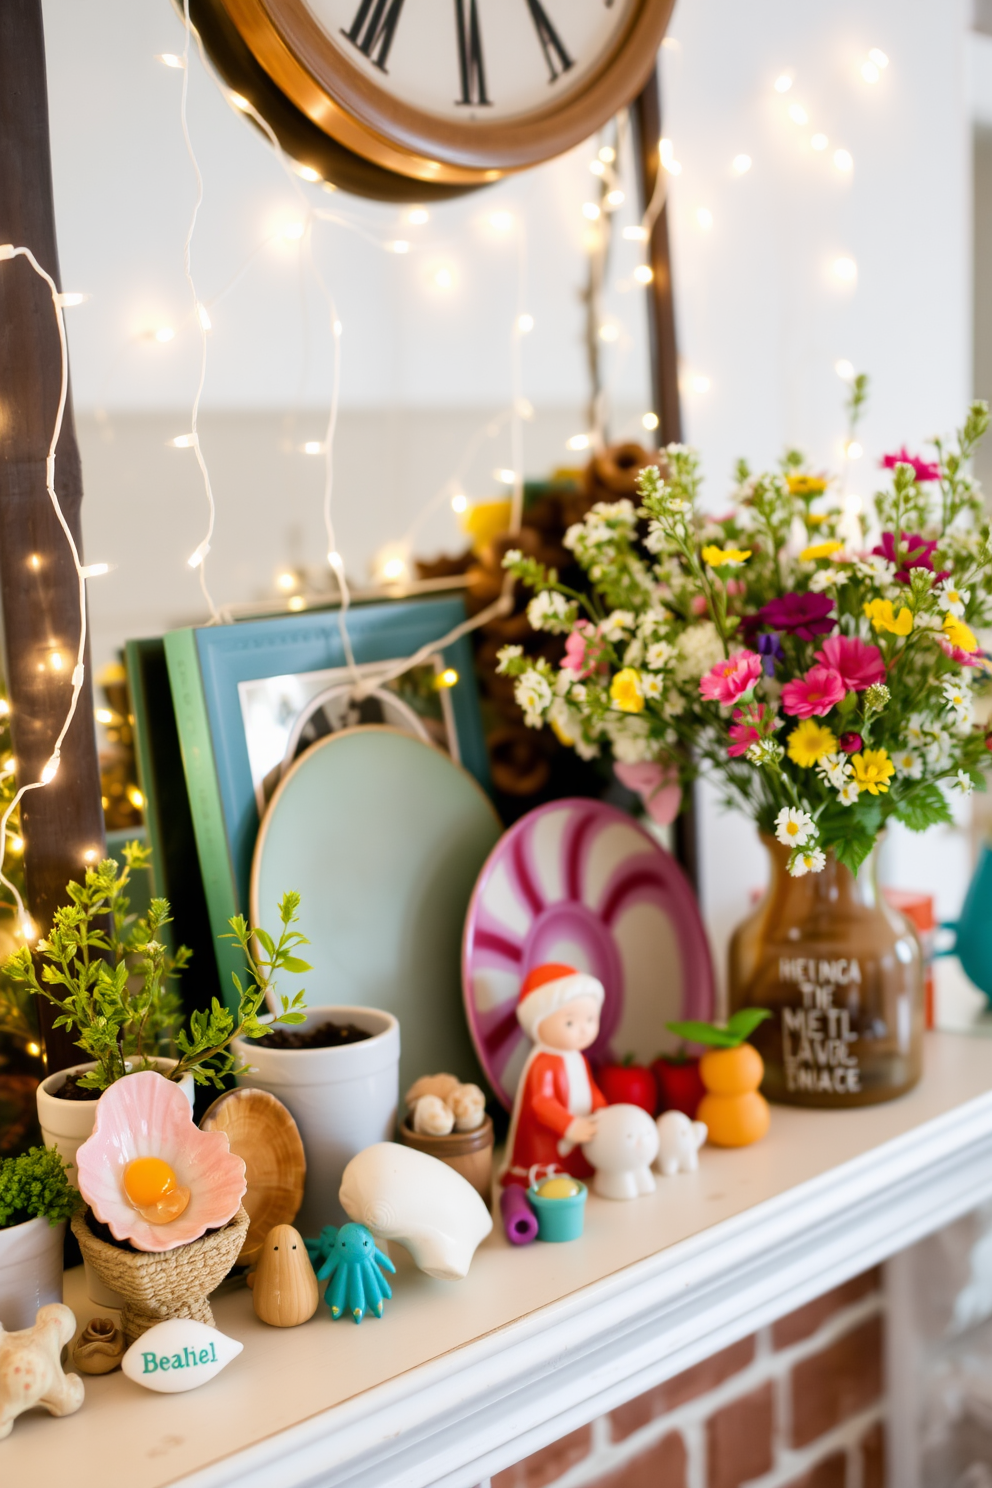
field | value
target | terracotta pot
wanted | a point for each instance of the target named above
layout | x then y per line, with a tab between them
163	1284
30	1271
469	1153
842	973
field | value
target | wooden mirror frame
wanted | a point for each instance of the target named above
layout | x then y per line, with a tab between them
345	104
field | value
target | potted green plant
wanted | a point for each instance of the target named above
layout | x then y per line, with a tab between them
112	981
36	1199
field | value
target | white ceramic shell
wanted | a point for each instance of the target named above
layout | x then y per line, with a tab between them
405	1195
146	1115
679	1141
622	1151
178	1355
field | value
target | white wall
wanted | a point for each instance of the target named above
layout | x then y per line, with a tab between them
760	314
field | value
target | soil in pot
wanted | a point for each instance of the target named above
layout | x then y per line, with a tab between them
327	1036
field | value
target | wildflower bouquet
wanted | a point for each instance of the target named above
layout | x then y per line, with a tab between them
825	677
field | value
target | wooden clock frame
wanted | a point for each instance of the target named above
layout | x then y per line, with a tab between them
345	104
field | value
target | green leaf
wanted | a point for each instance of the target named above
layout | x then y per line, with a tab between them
852	849
704	1033
743	1023
295	965
923	808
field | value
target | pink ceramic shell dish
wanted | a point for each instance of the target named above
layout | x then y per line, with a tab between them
146	1115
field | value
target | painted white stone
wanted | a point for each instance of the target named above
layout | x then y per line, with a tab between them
679	1141
622	1151
178	1355
405	1195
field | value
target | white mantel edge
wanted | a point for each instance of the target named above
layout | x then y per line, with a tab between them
464	1416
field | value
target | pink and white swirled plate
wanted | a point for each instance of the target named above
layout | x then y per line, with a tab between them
580	882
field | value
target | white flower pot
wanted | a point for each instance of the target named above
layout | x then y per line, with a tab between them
343	1100
30	1270
66	1124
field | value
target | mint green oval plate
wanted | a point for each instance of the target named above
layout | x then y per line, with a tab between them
384	837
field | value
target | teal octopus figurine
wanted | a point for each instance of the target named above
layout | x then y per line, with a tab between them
351	1264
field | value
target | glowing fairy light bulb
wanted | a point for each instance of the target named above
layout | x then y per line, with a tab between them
418	216
644	273
798	114
525	324
607	154
195	559
578	442
819	142
636	234
845	269
741	164
169	59
50	771
164	334
591	211
203	317
783	83
650	421
293	231
843	160
705	218
447	678
459	503
306	172
844	370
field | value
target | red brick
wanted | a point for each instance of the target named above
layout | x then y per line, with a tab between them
830	1473
804	1322
873	1457
739	1440
698	1380
543	1467
661	1466
837	1382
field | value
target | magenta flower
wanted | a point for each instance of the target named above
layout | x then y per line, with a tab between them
813	695
744	732
963	658
924	470
803	615
851	743
914	552
731	679
857	664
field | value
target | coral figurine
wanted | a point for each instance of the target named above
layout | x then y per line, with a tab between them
733	1111
556	1095
31	1369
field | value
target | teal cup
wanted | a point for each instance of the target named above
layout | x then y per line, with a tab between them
559	1219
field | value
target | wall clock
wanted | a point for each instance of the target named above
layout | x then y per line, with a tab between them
444	93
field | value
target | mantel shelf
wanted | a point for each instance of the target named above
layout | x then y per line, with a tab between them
460	1379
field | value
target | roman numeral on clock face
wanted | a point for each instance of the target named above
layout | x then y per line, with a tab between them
555	54
373	29
470	62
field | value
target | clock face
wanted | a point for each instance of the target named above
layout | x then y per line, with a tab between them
475	61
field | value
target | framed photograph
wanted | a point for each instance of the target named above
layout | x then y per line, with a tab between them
250	698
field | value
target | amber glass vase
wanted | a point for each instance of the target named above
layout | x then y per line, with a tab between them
842	974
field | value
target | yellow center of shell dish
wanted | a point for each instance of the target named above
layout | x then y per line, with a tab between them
153	1189
559	1188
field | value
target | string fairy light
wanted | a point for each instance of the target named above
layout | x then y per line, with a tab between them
49	771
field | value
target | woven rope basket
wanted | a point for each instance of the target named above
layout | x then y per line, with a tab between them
164	1284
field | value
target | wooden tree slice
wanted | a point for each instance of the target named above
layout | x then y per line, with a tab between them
264	1135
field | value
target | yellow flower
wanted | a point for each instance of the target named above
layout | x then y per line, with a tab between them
872	769
958	633
883	617
625	690
816	519
809	742
819	550
806	485
717	557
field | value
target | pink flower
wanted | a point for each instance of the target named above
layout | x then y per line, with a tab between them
851	743
698	605
580	656
731	679
744	732
813	695
736	587
963	658
857	664
924	470
656	784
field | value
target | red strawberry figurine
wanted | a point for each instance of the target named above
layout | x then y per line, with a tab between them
680	1087
628	1084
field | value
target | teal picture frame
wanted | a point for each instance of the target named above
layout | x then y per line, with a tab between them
206	666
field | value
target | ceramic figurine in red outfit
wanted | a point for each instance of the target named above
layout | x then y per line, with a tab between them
559	1010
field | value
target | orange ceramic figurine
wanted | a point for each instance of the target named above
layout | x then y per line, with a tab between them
559	1010
731	1070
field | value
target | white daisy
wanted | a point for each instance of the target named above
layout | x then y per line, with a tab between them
813	861
793	827
848	793
651	685
505	656
659	656
908	763
551	611
617	625
964	783
951	599
533	694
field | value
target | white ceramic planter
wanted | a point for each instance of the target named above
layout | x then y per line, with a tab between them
66	1124
343	1100
30	1271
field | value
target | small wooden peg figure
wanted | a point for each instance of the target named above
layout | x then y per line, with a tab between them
556	1096
283	1285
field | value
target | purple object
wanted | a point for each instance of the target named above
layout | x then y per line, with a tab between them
519	1219
581	883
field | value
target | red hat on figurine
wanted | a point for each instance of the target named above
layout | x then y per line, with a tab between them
549	987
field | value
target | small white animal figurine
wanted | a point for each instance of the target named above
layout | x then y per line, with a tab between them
622	1151
31	1369
679	1141
468	1106
432	1117
178	1355
404	1195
